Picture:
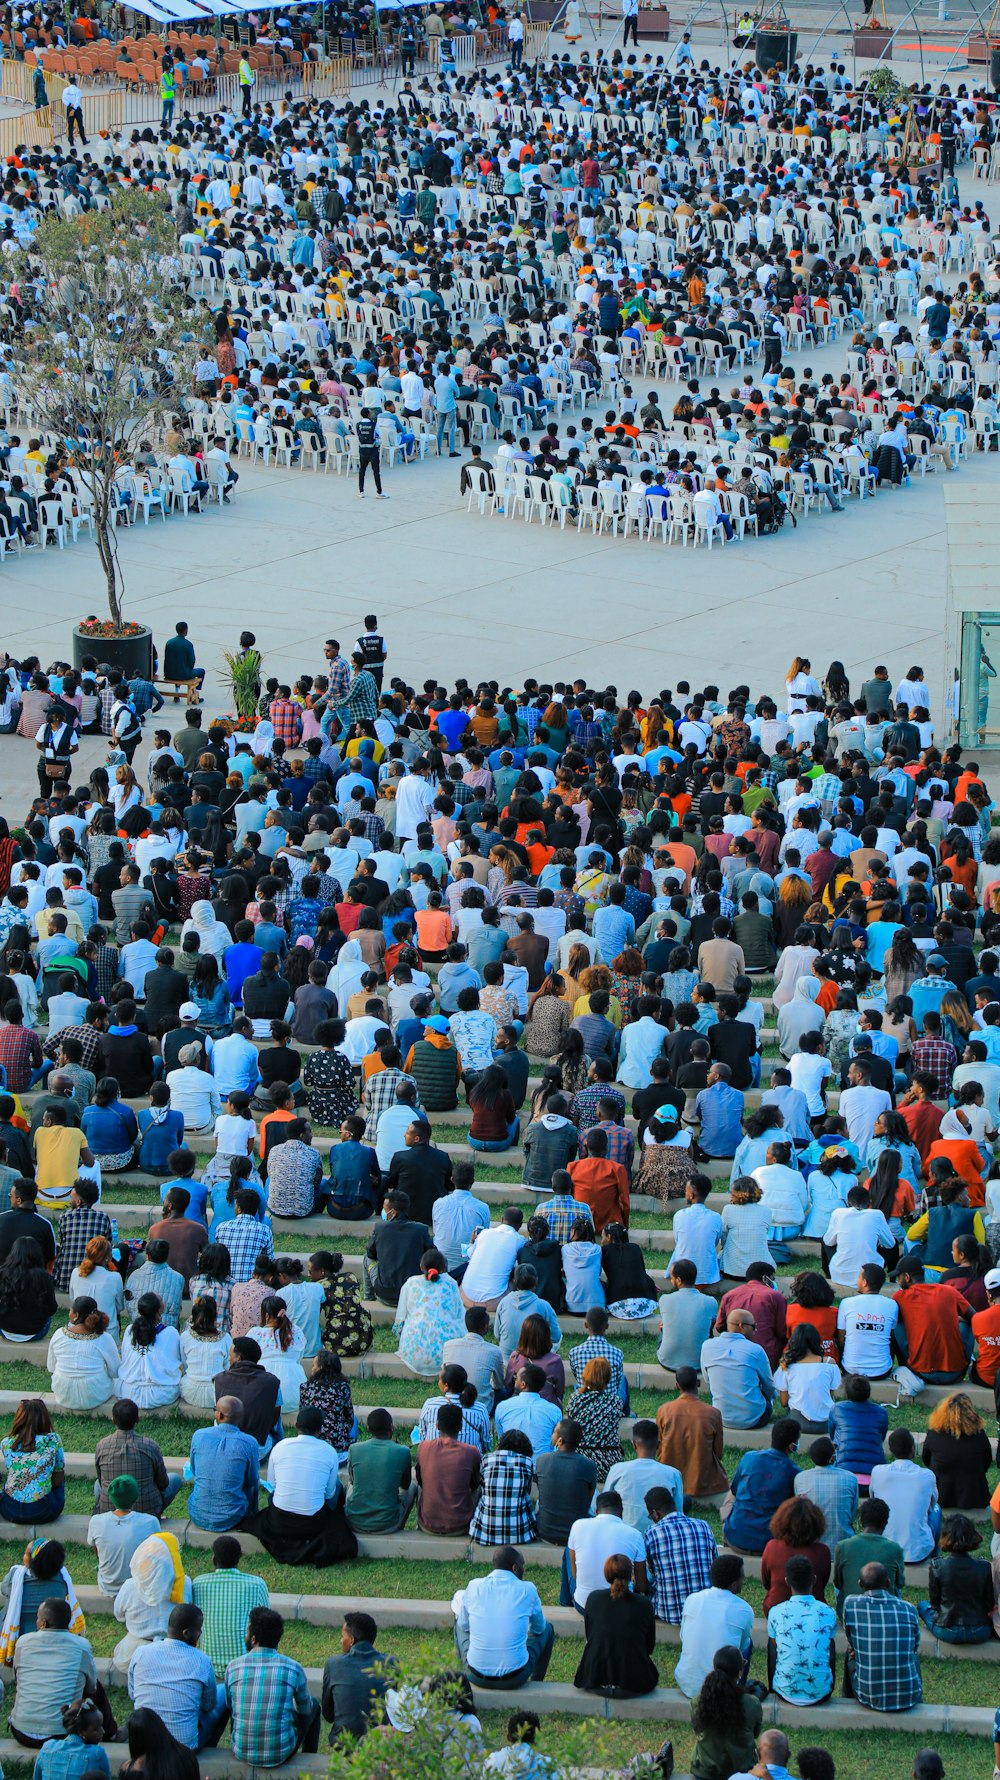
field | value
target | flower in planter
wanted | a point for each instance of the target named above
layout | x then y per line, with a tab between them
103	627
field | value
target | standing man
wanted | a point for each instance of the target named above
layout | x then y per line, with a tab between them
247	81
168	93
73	102
372	646
368	455
630	13
445	384
515	42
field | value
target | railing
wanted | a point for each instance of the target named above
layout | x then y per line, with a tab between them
327	80
34	130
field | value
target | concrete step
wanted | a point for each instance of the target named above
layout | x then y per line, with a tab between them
213	1764
670	1704
742	1439
72	1530
437	1616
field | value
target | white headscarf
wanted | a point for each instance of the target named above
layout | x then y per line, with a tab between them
346	974
214	936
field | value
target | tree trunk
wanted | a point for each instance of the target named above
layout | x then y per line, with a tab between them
105	539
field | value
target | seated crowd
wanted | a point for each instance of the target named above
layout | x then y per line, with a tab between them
306	983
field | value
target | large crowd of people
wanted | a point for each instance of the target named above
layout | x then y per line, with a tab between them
700	979
705	967
521	257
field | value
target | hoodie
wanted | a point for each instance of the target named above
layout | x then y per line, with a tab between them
550	1142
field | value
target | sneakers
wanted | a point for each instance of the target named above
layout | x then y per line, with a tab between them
381	497
361	494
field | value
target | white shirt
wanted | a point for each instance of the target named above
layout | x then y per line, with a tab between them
634	1478
414	802
498	1610
810	1388
808	1074
867	1321
710	1618
856	1235
303	1474
697	1233
592	1542
911	1492
494	1253
861	1108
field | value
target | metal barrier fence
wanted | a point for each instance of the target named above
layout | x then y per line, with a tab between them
327	80
33	130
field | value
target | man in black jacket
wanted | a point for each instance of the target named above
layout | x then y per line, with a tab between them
394	1252
368	454
166	992
24	1220
266	995
421	1171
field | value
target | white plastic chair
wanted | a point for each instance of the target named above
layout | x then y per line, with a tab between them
480	481
706	524
50	519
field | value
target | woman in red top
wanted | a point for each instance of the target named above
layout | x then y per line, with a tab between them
812	1301
797	1529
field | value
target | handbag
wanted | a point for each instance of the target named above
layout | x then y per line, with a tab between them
56	769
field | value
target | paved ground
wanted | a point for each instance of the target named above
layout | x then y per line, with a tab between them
298	558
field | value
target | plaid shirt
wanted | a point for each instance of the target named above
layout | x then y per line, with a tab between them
835	1491
884	1633
938	1058
597	1347
76	1227
90	1043
287	720
201	1285
504	1513
680	1552
106	970
828	788
475	1424
338	672
360	700
583	1111
156	1276
373	825
124	1454
244	1238
769	780
562	1212
381	1092
226	1598
268	1695
20	1052
621	1143
315	770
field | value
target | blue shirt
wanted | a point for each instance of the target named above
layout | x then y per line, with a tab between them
614	929
761	1482
739	1378
720	1109
67	1758
234	1061
225	1466
242	960
509	1317
530	1414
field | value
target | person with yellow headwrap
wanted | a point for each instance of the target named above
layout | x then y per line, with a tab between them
41	1576
156	1584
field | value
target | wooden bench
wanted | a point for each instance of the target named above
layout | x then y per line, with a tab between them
175	689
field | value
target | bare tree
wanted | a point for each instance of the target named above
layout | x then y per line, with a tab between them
111	351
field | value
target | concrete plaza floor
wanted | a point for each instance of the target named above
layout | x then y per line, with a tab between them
298	558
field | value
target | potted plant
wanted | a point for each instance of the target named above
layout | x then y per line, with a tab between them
242	675
776	44
125	352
